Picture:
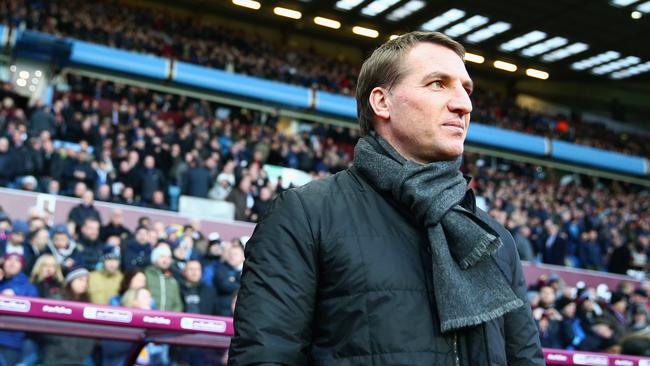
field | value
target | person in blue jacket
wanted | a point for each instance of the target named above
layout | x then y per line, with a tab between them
13	282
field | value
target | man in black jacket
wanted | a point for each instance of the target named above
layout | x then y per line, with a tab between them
389	262
197	296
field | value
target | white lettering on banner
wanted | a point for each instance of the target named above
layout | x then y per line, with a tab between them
110	315
594	360
623	363
56	309
15	305
156	320
644	362
556	357
216	326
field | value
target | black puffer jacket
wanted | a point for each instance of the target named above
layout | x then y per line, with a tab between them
337	274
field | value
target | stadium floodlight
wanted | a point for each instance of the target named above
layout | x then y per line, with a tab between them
523	41
644	8
366	32
393	36
538	74
544	47
595	60
507	66
347	4
615	65
488	32
289	13
251	4
472	57
636	15
466	26
631	71
443	20
622	3
327	22
377	6
565	52
405	10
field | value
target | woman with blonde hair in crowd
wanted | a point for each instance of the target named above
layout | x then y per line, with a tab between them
47	277
114	352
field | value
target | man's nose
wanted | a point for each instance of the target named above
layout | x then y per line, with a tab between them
460	102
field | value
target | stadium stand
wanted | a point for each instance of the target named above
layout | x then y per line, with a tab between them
127	154
139	29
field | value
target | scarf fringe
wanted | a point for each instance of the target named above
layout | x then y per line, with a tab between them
453	324
483	249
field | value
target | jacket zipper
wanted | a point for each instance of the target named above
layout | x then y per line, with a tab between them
456	355
163	293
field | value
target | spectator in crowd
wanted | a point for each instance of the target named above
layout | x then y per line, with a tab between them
47	277
114	353
38	240
221	188
262	204
212	259
64	248
637	344
41	120
571	332
227	279
68	350
84	210
160	281
151	180
137	253
197	297
617	308
521	235
241	197
132	279
6	174
17	243
89	243
115	226
104	283
196	181
13	282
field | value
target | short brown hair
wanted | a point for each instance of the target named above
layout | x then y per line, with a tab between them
383	68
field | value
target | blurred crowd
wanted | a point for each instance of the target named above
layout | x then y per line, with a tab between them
200	40
592	319
190	38
574	220
174	268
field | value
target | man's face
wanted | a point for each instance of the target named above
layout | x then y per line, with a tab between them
17	238
111	265
91	229
426	113
60	241
116	217
164	261
12	266
192	272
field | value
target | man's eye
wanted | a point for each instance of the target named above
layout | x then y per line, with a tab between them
436	84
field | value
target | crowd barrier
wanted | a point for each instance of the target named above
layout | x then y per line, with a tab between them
182	73
185	329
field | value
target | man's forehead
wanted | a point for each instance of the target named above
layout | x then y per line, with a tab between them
426	58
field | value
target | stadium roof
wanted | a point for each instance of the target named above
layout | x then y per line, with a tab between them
573	40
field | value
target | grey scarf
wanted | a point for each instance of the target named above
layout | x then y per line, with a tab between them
469	286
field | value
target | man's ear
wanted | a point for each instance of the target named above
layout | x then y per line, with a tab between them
379	103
